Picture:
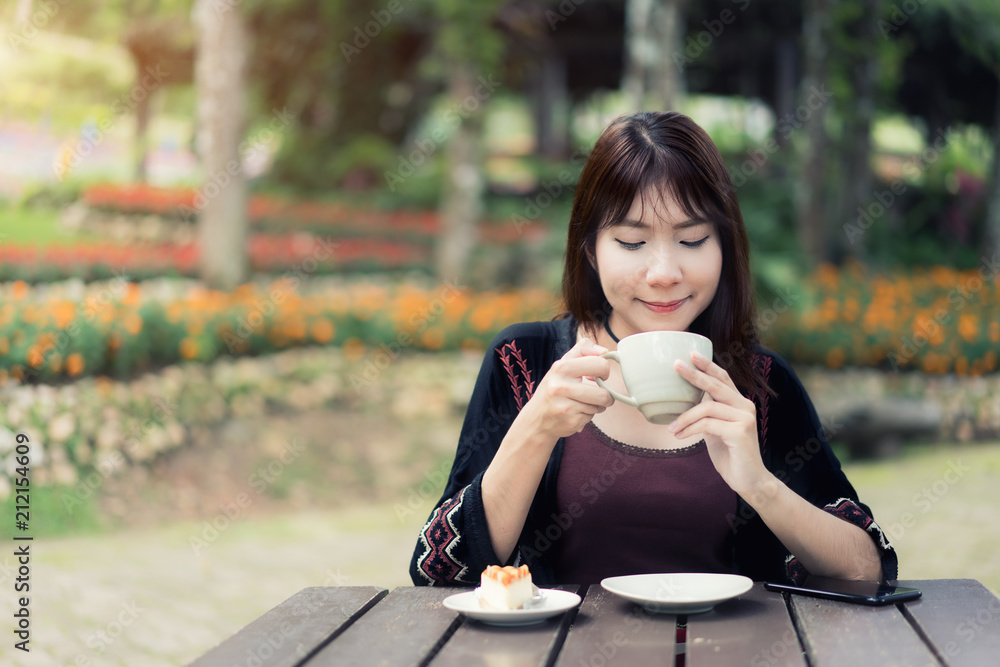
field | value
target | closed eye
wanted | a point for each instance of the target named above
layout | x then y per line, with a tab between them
694	244
630	246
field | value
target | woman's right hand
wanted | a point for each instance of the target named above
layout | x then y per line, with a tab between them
565	400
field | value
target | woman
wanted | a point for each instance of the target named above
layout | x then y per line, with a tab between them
551	472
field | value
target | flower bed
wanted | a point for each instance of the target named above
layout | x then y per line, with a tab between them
940	320
265	253
273	214
84	432
121	328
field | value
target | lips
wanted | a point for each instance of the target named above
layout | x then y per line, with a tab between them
664	306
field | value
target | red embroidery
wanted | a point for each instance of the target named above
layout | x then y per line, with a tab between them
439	537
513	362
764	364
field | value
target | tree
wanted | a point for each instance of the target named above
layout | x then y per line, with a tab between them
652	44
162	49
349	74
977	23
220	80
855	76
469	53
811	188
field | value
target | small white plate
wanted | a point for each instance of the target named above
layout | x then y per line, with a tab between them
678	593
553	602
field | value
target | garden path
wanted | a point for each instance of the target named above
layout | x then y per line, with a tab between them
144	598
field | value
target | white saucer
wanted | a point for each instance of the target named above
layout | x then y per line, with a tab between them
678	593
553	602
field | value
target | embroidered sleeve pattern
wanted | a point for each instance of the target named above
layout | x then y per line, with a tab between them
517	372
848	510
441	539
763	363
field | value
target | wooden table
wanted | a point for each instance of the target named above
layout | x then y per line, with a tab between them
956	622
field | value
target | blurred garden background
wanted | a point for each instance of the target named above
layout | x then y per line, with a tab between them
251	255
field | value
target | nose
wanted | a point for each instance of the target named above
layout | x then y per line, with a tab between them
663	269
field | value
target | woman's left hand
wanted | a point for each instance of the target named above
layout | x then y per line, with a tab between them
728	422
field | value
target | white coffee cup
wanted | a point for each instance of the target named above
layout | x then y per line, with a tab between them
647	361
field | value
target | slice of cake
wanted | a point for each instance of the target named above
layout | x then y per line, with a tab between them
505	587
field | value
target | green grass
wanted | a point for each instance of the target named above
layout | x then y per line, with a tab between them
937	503
40	227
53	511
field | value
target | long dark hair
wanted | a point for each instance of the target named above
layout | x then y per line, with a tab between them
655	153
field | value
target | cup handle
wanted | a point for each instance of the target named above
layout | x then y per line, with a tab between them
627	400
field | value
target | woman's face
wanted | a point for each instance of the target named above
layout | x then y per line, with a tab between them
659	268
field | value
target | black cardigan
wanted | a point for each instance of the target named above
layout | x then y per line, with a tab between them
454	546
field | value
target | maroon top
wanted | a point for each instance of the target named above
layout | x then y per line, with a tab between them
632	510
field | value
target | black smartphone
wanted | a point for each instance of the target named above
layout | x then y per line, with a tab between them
859	592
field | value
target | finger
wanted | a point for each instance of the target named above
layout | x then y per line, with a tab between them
691	420
587	367
593	395
708	366
729	432
716	388
583	348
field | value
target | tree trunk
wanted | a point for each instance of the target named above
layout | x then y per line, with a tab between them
811	191
220	80
668	17
23	13
858	115
461	204
551	107
785	55
142	113
653	32
639	51
993	194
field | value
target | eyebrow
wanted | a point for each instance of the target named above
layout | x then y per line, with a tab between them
639	224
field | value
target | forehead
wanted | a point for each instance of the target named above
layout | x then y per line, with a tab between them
659	206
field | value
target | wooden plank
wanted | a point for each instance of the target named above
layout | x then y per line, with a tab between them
406	627
753	629
842	633
609	630
524	646
287	634
960	617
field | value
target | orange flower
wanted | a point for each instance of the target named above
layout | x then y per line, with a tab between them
322	331
35	356
295	328
481	319
4	345
354	349
75	364
20	290
835	357
995	332
175	311
133	323
63	313
189	348
967	327
433	338
132	293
